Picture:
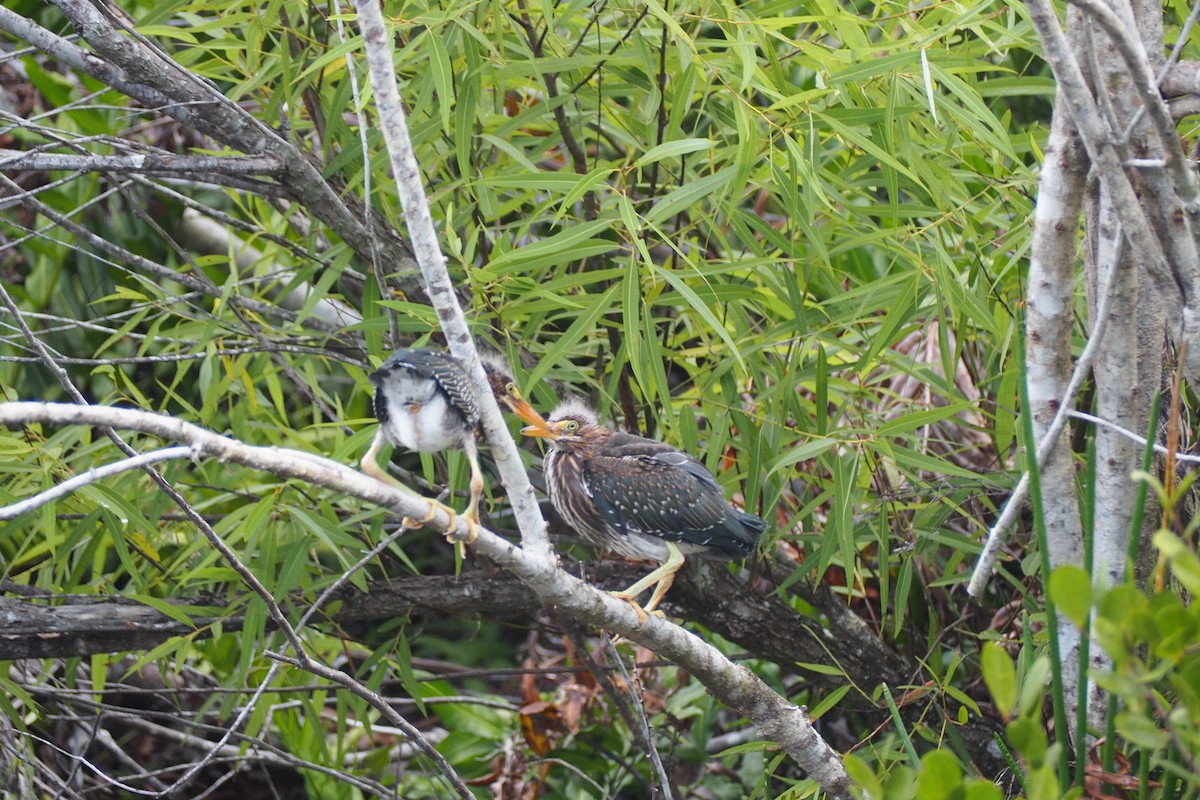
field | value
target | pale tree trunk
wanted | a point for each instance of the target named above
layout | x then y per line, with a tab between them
1129	368
1049	322
1141	265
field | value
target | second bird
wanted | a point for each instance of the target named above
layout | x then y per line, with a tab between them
425	401
640	498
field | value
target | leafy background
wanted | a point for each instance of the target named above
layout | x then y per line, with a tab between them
787	238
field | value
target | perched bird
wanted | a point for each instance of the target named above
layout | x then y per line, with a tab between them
640	498
425	401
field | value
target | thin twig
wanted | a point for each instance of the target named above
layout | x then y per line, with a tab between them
999	530
92	476
1184	33
150	164
243	571
376	263
195	282
1158	448
639	707
1146	84
172	358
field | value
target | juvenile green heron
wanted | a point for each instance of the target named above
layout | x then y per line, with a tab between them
640	498
425	401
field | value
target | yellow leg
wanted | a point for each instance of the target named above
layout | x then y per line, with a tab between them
471	515
661	579
370	462
370	465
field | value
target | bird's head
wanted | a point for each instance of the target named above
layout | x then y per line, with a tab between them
508	396
571	424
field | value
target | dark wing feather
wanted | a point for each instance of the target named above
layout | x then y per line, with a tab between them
379	402
456	383
669	495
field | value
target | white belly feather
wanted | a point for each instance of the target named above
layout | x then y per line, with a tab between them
426	430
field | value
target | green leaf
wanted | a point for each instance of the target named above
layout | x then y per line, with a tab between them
536	180
920	419
1071	590
701	308
562	246
673	149
862	775
172	610
1141	731
983	790
1033	687
1000	676
821	669
582	326
688	195
829	701
583	185
439	63
1184	563
912	459
940	775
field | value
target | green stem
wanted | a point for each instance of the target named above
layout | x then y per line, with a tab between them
1039	524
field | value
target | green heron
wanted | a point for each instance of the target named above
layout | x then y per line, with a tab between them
425	401
640	498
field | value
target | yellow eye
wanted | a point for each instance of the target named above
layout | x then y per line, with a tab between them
571	426
511	390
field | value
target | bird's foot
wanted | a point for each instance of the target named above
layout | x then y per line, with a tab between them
434	506
472	521
643	617
643	614
661	579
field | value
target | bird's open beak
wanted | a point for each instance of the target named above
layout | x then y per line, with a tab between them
522	409
542	429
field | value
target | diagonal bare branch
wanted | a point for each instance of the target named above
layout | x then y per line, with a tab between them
775	717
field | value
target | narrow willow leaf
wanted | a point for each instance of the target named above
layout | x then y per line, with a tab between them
673	149
703	310
688	195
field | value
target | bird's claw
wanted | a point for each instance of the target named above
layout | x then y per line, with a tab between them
413	524
472	534
643	614
643	617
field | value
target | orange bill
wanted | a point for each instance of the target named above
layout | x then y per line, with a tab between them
542	429
519	406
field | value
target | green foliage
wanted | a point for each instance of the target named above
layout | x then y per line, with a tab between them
1154	643
1000	677
1155	646
788	239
